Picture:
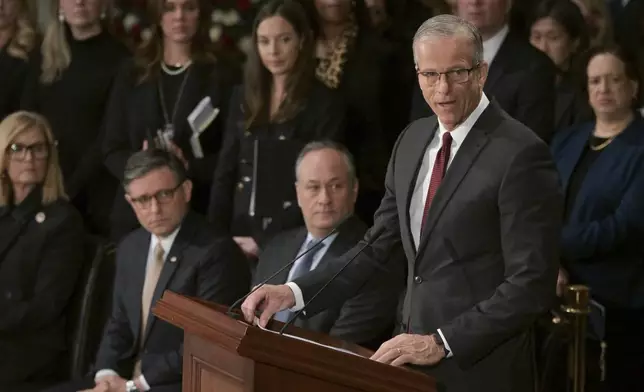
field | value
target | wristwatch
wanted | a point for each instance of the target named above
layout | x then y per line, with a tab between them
131	387
440	342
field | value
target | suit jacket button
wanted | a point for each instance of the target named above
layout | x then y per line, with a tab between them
418	280
240	186
8	295
246	179
246	133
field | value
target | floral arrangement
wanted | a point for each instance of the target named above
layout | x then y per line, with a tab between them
231	22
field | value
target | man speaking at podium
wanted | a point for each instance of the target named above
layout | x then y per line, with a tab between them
472	196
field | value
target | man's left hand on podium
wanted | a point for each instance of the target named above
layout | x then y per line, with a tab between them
410	349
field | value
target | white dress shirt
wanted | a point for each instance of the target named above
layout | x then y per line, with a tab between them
492	45
166	244
417	204
318	256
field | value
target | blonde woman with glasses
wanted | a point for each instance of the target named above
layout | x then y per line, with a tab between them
17	39
41	254
69	82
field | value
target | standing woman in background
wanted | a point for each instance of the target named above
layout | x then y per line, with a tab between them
69	83
280	100
352	60
601	166
171	74
558	29
17	39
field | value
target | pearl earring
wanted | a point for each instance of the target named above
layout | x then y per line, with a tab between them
61	16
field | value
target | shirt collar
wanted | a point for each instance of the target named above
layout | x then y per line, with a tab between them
166	242
492	45
460	132
327	242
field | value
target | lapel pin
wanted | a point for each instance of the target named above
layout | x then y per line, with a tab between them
173	259
40	217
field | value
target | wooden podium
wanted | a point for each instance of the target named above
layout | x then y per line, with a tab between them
225	354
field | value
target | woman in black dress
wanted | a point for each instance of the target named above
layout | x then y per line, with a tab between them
69	81
281	100
17	39
174	75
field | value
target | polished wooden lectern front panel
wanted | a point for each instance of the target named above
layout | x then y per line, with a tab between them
225	354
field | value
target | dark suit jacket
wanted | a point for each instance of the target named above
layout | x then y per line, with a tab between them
134	111
206	266
601	244
41	255
522	80
487	261
322	117
367	318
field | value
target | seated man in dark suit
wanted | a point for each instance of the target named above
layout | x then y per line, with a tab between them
327	188
521	79
173	250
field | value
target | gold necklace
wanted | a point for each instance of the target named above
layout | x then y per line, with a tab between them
602	145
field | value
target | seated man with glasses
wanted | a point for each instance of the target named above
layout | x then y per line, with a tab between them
174	250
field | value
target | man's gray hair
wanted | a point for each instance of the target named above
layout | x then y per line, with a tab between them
322	145
450	26
143	162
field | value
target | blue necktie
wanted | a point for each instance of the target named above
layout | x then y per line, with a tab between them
300	269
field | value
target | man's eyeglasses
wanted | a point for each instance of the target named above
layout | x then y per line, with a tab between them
163	196
18	151
460	75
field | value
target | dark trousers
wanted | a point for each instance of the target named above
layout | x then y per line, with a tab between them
625	350
88	383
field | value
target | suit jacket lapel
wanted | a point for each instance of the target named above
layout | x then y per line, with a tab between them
291	251
466	155
409	168
133	301
172	261
577	144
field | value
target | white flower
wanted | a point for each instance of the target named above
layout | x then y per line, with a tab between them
146	34
130	21
215	33
231	18
218	16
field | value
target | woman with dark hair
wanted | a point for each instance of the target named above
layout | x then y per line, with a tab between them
559	30
172	95
601	164
17	40
69	82
281	100
352	60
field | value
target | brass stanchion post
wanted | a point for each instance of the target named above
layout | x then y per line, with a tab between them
576	306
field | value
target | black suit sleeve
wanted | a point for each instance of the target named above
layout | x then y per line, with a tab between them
530	206
117	337
372	312
220	207
223	277
116	147
535	106
381	251
61	262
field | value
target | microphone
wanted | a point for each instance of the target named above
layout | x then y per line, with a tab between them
318	244
372	238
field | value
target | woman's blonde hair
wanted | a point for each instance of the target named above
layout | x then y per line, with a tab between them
12	126
55	50
24	38
597	10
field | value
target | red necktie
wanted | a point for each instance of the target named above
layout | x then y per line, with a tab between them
438	172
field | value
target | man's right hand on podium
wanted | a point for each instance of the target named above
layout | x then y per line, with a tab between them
268	300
